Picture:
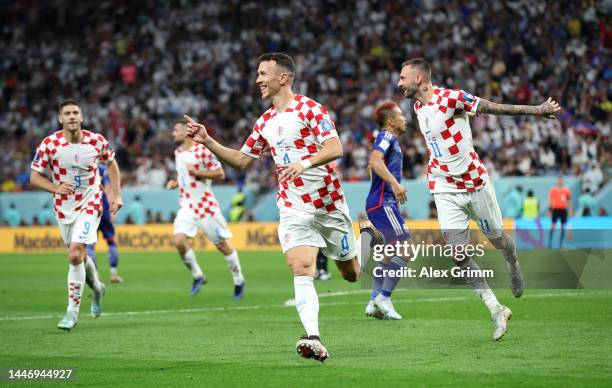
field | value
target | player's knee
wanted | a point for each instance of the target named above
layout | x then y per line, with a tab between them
224	248
180	242
301	268
76	255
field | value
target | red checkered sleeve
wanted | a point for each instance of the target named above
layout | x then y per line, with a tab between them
319	121
106	151
41	158
256	144
465	101
208	160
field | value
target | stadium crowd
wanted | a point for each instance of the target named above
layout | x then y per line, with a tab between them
137	66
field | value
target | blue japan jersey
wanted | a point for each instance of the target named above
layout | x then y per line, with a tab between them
380	191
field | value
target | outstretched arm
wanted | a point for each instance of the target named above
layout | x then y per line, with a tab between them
234	158
546	109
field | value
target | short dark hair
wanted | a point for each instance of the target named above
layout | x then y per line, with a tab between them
383	111
281	59
419	63
68	102
181	121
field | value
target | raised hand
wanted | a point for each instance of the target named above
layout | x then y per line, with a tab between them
195	130
549	108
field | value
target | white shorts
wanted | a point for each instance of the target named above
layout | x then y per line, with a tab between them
83	230
214	227
332	232
456	209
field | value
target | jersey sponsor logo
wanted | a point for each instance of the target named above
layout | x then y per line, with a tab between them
287	237
326	125
468	97
280	142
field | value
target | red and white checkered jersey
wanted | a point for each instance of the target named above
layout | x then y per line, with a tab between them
194	193
453	165
294	135
77	164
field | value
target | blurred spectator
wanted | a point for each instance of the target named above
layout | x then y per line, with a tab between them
137	66
45	216
514	202
237	209
586	204
9	185
136	212
531	206
11	216
592	178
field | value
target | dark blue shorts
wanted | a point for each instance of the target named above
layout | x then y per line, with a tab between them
388	220
106	225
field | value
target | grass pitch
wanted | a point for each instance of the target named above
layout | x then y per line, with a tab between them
152	333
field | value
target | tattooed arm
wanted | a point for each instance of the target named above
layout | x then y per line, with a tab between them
546	109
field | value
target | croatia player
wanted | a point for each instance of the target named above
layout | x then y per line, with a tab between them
107	227
303	141
457	177
196	167
71	156
382	204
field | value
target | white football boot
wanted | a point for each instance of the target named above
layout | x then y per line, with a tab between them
385	306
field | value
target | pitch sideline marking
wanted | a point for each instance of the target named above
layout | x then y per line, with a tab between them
256	307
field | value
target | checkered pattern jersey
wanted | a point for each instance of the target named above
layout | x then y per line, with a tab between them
294	135
453	165
196	194
76	164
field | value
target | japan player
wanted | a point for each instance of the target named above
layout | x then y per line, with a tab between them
303	141
71	156
196	167
457	177
383	201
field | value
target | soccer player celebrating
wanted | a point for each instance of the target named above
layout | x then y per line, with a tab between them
457	177
196	167
71	156
382	204
303	141
107	227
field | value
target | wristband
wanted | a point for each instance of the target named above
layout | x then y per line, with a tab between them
306	164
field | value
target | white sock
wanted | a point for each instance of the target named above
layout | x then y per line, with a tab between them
189	258
358	249
91	274
113	270
307	303
480	287
76	282
233	263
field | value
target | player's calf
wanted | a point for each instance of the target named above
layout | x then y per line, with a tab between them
349	269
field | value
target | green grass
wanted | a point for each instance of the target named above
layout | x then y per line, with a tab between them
556	338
